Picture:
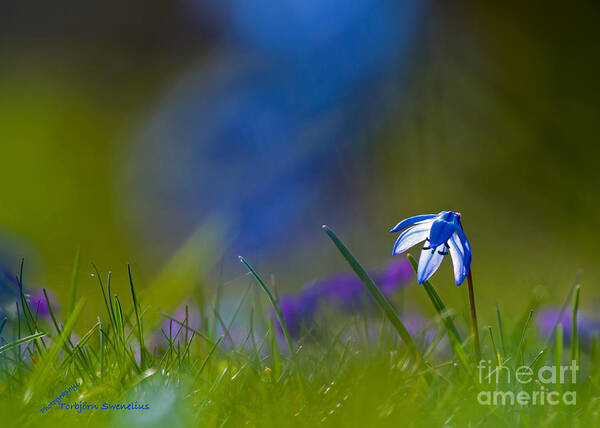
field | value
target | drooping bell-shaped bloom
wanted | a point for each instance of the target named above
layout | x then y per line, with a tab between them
443	235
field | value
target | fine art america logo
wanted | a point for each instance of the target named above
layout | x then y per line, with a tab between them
522	386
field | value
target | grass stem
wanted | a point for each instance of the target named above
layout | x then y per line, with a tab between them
474	327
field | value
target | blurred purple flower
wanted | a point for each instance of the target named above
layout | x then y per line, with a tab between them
345	291
548	318
396	274
38	303
298	311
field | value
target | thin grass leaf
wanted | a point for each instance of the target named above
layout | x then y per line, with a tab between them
537	359
78	350
521	348
18	330
44	367
558	350
575	329
108	307
181	324
275	353
119	319
74	277
558	346
210	353
17	342
276	308
564	305
140	330
53	317
500	329
372	288
30	320
110	302
496	353
279	317
101	327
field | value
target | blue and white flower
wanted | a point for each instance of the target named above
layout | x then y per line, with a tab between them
443	235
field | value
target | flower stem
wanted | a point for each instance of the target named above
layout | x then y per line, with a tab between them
474	328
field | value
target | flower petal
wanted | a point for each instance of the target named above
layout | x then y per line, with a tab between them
412	236
466	246
410	221
442	229
457	253
429	262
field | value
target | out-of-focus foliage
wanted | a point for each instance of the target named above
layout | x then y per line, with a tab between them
488	110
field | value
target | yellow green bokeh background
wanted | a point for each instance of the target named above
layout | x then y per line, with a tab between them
498	121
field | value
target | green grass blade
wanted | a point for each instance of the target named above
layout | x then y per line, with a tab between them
500	329
278	313
274	348
30	320
564	306
537	361
575	329
558	346
106	302
558	350
101	327
140	329
210	353
496	353
521	348
119	319
74	277
279	317
372	288
44	368
78	349
55	323
110	300
17	342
